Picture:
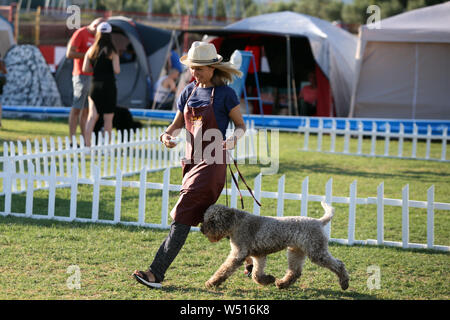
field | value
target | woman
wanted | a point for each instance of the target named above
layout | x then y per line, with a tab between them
205	108
101	59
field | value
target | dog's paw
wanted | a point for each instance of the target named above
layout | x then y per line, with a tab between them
264	279
344	284
282	284
210	284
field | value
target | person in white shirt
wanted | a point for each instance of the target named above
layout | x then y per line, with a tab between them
165	89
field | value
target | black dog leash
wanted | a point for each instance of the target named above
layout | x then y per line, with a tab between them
236	183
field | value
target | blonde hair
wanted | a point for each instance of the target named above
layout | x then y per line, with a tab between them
223	73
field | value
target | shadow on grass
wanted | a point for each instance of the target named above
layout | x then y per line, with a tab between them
129	213
48	223
393	249
293	293
191	291
398	249
86	225
314	293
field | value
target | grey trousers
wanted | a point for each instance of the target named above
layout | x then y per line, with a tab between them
169	249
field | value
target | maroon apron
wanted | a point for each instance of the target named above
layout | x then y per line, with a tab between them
202	182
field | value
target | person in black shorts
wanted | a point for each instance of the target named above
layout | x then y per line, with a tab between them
102	59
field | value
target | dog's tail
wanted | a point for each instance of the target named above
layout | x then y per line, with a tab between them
329	213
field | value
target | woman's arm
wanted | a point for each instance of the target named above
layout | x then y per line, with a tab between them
116	63
173	130
86	63
239	130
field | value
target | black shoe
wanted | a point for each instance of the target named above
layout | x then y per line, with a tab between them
142	278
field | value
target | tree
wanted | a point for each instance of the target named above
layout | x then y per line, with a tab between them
325	9
356	12
330	10
252	9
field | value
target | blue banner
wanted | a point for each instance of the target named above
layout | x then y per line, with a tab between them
284	123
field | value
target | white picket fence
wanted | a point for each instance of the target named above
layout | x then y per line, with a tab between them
73	182
51	166
379	200
65	167
130	152
332	131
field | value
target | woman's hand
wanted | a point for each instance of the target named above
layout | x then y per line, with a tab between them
230	143
168	137
167	140
239	131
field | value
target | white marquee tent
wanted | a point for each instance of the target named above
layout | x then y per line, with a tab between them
6	36
403	68
333	48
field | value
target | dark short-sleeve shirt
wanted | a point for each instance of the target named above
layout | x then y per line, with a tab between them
225	99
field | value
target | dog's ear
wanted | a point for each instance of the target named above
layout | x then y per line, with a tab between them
229	215
218	219
222	214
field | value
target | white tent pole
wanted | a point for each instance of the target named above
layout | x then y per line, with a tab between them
361	46
294	86
416	82
288	62
168	53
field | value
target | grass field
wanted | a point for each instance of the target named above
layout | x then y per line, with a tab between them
36	254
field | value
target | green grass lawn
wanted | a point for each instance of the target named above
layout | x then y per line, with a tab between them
36	254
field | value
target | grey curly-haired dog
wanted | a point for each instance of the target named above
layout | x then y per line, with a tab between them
256	237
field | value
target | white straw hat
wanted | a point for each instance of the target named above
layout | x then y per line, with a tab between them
201	54
104	27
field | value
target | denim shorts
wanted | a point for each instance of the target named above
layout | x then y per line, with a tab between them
81	87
